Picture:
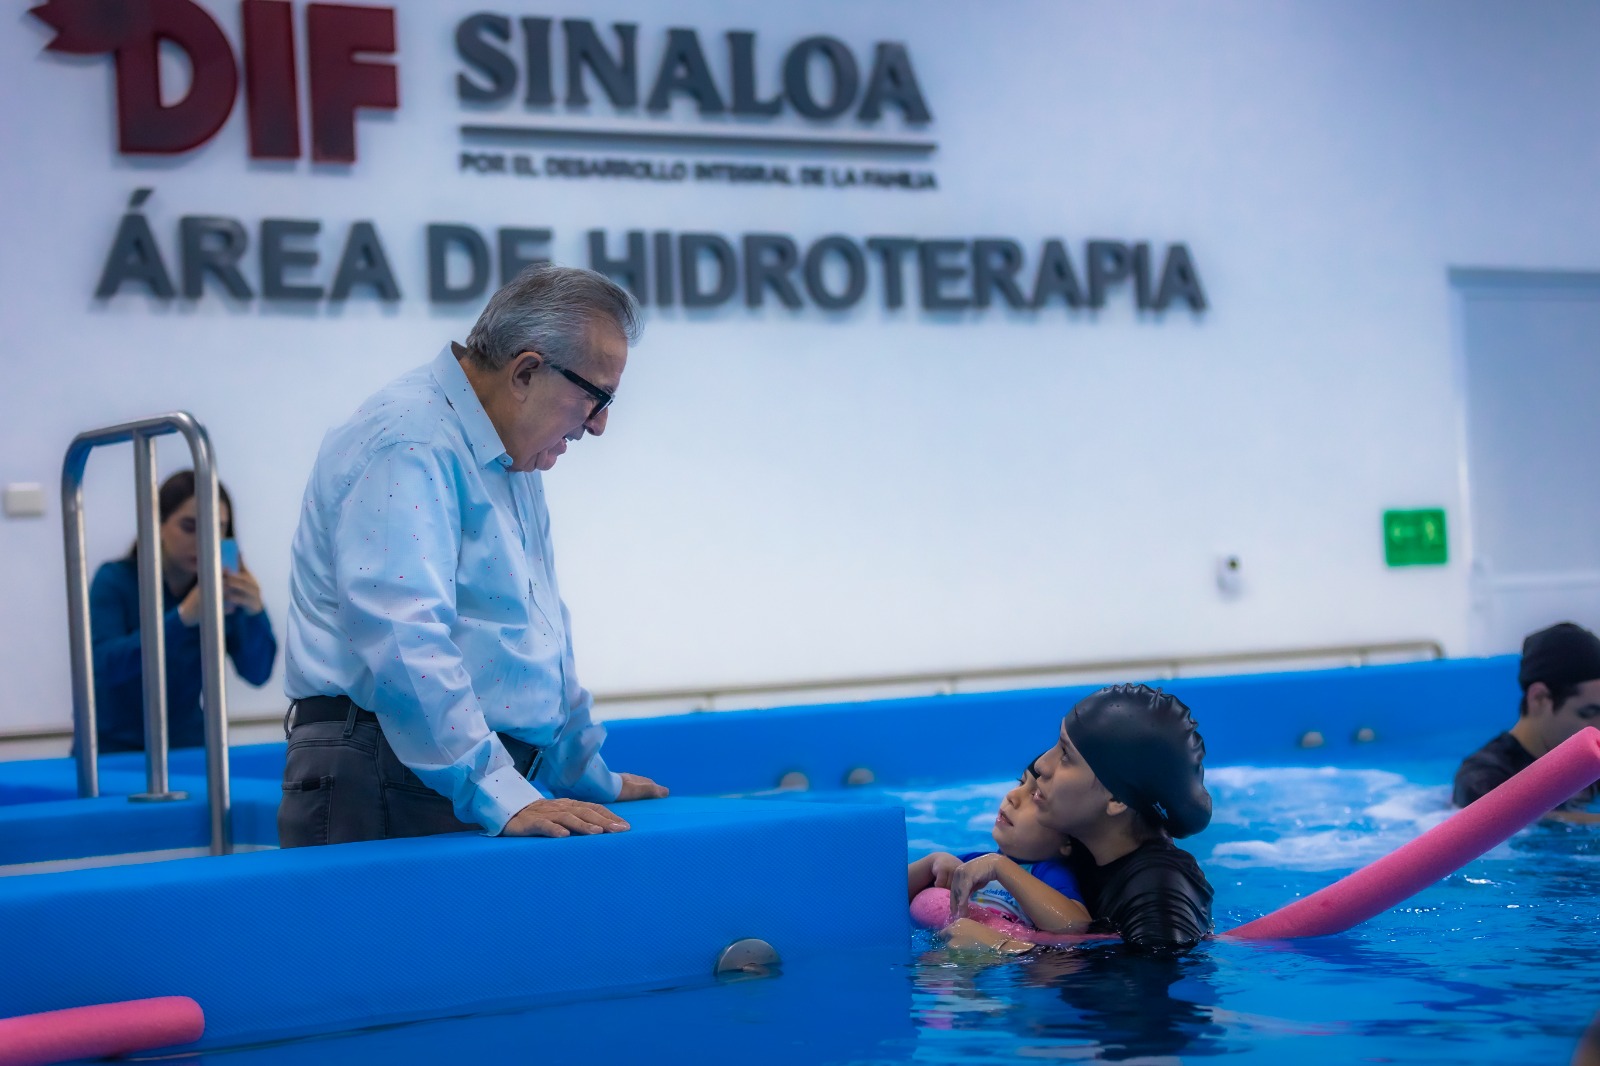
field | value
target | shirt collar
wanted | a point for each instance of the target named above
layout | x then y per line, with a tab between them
482	437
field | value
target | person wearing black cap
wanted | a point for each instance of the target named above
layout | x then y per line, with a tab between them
1560	679
1127	775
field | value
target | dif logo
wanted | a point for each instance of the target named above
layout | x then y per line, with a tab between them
338	81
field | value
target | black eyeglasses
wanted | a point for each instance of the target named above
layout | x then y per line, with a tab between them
602	398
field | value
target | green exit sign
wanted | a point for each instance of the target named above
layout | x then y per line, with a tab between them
1415	538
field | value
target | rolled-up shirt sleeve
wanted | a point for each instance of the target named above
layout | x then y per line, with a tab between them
398	538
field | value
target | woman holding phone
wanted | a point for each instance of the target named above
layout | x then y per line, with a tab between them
114	625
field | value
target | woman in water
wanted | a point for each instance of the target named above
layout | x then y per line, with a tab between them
1125	777
114	626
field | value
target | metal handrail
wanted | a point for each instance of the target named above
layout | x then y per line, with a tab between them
1166	666
152	638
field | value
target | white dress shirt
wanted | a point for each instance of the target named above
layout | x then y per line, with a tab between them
423	587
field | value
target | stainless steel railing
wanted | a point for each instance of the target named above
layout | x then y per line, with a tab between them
152	639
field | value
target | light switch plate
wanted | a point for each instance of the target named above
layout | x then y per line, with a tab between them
24	499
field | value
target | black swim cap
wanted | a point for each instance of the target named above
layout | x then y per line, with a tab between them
1146	750
1564	654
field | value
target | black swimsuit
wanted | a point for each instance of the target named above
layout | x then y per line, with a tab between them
1155	896
1493	765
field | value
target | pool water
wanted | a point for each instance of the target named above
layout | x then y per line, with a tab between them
1497	964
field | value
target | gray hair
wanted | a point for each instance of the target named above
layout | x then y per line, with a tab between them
550	310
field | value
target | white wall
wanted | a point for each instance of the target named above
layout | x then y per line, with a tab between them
797	494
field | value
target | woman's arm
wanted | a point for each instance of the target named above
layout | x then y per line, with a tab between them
114	625
248	634
251	645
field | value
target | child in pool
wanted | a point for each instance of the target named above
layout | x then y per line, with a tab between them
1026	880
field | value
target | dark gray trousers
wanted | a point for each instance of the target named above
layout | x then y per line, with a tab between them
342	782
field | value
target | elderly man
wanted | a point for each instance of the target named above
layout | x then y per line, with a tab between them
430	662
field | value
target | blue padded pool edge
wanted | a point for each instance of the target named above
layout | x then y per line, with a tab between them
972	736
280	944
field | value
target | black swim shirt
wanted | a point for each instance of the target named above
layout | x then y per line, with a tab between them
1154	897
1490	767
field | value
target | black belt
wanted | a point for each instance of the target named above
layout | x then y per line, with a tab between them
339	709
327	709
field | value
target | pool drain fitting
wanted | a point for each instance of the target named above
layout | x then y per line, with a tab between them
747	958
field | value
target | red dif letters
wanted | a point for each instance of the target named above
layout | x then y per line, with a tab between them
132	30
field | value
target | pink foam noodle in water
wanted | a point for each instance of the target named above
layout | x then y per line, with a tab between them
100	1031
1569	768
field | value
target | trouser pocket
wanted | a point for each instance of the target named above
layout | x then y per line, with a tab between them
330	786
305	812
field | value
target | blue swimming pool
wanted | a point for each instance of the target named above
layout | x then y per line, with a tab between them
602	947
1493	965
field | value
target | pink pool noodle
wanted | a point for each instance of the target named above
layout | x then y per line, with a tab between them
1570	767
930	909
100	1031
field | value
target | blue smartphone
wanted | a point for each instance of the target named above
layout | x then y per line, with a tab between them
230	555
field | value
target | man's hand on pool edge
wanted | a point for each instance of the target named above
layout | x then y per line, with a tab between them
562	818
635	787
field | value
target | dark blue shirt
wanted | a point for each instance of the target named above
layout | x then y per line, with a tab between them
1053	872
119	666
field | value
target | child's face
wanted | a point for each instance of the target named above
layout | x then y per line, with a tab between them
1017	829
